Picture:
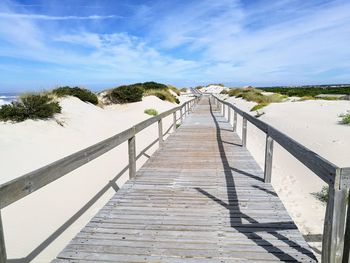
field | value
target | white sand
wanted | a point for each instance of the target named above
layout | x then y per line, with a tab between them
215	89
29	145
315	125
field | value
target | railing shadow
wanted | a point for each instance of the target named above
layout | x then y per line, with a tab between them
111	184
235	212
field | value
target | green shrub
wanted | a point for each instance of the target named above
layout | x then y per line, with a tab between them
125	94
234	92
151	112
153	85
224	92
322	195
183	90
30	107
328	98
80	93
345	118
259	106
178	93
256	96
311	91
163	95
307	98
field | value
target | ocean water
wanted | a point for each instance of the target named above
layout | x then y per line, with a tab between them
7	97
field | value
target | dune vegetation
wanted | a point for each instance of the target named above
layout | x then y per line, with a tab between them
345	118
151	112
80	93
307	91
135	92
30	106
255	95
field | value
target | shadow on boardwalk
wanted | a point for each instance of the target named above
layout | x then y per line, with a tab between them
234	211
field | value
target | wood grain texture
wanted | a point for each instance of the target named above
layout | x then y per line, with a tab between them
199	198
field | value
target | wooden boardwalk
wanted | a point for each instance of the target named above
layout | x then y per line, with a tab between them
200	198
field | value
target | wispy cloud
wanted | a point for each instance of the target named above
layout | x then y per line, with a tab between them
232	41
47	17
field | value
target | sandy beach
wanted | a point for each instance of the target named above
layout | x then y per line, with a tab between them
29	145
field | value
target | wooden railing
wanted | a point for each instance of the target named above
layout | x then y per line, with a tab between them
20	187
336	233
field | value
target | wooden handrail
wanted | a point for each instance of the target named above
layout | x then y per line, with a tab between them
20	187
336	233
319	165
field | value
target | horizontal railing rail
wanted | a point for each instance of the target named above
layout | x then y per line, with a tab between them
336	234
20	187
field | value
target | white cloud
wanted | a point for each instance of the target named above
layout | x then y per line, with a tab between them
47	17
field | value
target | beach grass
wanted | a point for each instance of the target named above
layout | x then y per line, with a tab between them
151	112
30	106
162	94
345	118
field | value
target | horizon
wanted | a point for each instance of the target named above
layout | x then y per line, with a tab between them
102	44
192	86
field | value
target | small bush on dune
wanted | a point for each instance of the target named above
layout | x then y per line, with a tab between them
163	95
183	90
125	94
153	85
82	94
345	118
151	112
322	196
259	106
256	96
307	98
234	92
178	93
30	107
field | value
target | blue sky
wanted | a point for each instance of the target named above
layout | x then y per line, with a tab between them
99	44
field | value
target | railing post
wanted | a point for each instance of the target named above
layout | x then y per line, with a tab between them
346	254
3	257
181	116
229	114
234	121
268	159
334	223
160	132
223	110
174	121
244	132
132	157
